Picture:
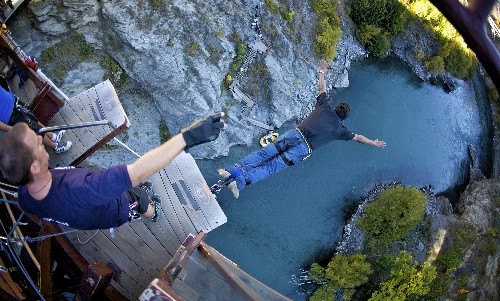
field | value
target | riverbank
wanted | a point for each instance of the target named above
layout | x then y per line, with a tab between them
462	242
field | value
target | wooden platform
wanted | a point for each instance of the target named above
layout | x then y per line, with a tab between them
141	250
95	104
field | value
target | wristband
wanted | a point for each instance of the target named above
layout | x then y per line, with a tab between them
321	71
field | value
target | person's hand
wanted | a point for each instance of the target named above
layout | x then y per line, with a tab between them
379	143
203	130
323	68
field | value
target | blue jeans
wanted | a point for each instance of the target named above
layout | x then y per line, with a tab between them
267	161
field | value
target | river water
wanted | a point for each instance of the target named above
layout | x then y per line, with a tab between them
281	225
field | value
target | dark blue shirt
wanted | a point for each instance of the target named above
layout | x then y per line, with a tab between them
6	105
83	199
323	125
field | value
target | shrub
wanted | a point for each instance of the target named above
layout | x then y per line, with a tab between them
287	15
386	14
227	81
272	7
114	72
450	259
407	280
458	59
394	214
343	272
193	49
435	64
379	46
241	51
367	32
164	131
327	39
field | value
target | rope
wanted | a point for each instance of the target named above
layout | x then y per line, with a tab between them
83	243
125	146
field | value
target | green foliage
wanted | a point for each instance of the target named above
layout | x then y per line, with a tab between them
114	72
407	280
459	60
323	293
342	272
227	81
157	4
379	46
272	7
386	14
241	51
85	48
327	39
317	273
219	33
287	15
328	30
367	32
491	248
394	214
429	14
385	260
193	49
435	64
65	56
164	131
450	259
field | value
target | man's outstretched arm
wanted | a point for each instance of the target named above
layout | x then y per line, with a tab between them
363	140
153	161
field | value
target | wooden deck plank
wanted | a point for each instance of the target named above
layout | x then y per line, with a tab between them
110	106
123	244
141	230
92	253
200	191
175	213
119	262
87	106
188	205
168	219
143	242
91	109
162	230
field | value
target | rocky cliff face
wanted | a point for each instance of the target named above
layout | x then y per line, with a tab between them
177	56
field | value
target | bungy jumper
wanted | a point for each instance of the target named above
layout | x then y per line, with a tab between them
138	260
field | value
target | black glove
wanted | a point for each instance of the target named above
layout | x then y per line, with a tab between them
203	130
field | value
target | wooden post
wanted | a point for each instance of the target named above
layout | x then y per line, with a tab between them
98	276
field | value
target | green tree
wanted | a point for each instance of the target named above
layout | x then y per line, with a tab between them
407	280
458	59
367	32
327	39
435	64
379	46
386	14
343	272
328	30
394	214
241	51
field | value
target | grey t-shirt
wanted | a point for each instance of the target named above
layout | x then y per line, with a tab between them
323	125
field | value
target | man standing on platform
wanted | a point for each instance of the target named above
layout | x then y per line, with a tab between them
83	199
